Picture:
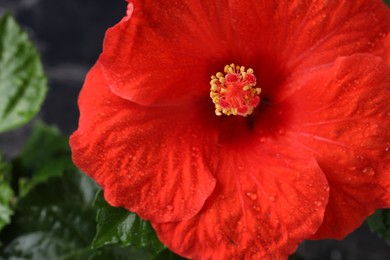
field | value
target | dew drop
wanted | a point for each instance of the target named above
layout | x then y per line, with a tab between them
271	198
169	207
252	196
368	171
317	203
256	208
359	157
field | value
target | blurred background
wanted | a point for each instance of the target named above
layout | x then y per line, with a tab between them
69	35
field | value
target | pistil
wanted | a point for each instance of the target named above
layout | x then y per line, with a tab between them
234	93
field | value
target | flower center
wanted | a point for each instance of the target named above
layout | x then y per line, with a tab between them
234	92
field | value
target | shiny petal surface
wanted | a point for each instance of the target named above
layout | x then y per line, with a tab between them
310	33
160	49
164	53
267	200
153	161
342	115
386	49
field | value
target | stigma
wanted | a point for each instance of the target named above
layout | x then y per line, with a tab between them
233	92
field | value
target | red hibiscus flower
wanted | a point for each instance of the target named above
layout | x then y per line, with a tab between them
294	145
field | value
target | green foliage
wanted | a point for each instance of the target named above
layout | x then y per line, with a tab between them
387	2
379	223
6	194
22	80
167	255
53	213
54	219
47	154
119	226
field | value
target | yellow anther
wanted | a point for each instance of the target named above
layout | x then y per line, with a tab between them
234	93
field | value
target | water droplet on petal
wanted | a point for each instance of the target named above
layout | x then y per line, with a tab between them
317	203
271	198
256	208
169	207
252	196
368	171
359	157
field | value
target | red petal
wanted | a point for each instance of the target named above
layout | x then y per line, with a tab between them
178	44
342	116
165	52
280	37
386	49
154	161
269	197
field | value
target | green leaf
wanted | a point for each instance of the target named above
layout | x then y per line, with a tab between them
6	194
22	80
46	155
38	246
54	219
119	226
5	170
167	255
387	2
379	223
44	144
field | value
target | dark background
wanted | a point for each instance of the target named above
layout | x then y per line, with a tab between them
69	36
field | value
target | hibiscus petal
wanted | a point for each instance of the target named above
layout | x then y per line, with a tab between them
143	63
165	55
342	116
296	35
386	48
268	199
153	161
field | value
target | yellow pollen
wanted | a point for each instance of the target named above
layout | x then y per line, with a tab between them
234	93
